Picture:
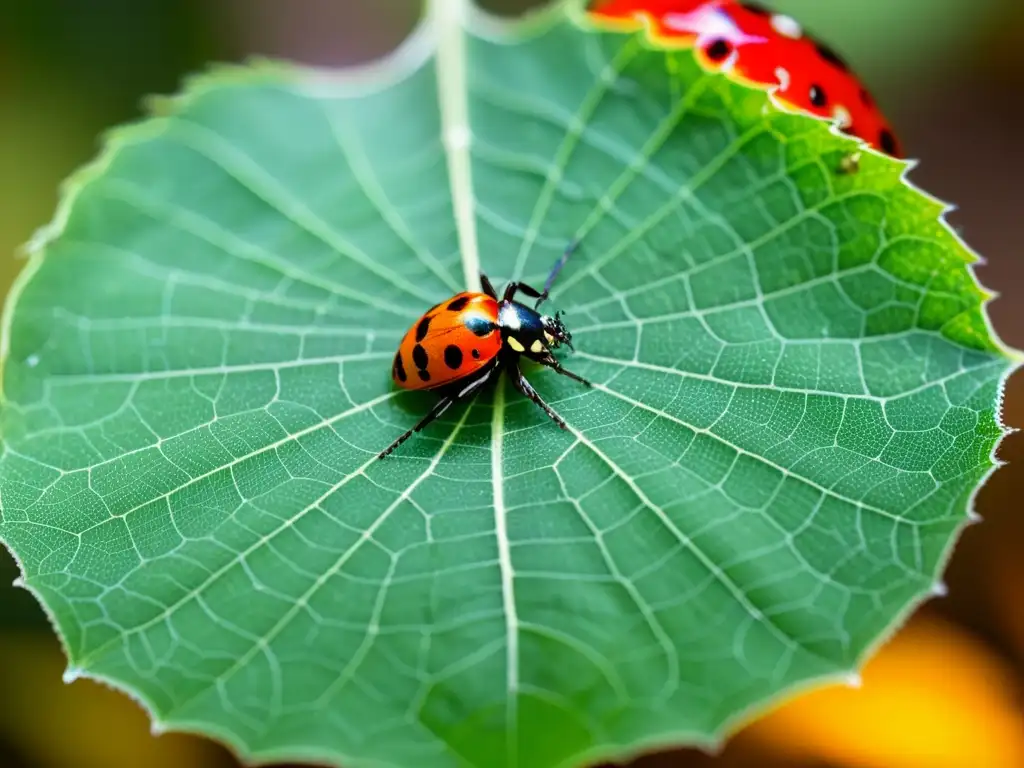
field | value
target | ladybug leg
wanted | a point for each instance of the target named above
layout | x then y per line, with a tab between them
513	288
541	296
442	405
488	288
527	389
551	361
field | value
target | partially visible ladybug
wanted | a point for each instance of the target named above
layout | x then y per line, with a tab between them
750	44
462	343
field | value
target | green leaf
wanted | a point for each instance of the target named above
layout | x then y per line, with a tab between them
795	397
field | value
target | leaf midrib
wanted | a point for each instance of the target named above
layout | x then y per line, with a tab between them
450	17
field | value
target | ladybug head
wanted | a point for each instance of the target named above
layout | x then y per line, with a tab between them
555	331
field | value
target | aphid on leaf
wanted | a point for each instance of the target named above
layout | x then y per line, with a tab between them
754	46
462	343
850	163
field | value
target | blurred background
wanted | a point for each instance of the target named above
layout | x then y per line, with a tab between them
946	692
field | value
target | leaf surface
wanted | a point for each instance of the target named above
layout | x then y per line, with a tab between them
795	397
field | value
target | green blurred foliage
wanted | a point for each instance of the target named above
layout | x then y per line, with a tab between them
896	43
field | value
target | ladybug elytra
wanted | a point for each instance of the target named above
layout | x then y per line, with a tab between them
752	45
459	345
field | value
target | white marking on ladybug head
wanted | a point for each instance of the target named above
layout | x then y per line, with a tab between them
537	347
516	344
787	26
509	318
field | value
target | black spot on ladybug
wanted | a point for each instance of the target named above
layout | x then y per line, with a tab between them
829	55
757	8
399	368
478	325
818	97
422	327
419	356
476	354
459	304
887	141
424	375
718	50
866	97
452	357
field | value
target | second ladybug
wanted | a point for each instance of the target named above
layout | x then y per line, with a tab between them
462	343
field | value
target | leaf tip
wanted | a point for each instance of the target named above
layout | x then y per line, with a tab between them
71	674
939	589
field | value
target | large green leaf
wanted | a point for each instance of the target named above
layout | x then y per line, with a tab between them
794	399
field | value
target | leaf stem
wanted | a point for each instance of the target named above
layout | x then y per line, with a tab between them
449	20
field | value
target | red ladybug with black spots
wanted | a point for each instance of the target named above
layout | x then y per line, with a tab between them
462	343
752	45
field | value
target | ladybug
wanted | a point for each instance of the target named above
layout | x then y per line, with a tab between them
459	345
751	45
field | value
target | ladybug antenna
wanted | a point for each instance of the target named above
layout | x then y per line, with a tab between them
555	270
